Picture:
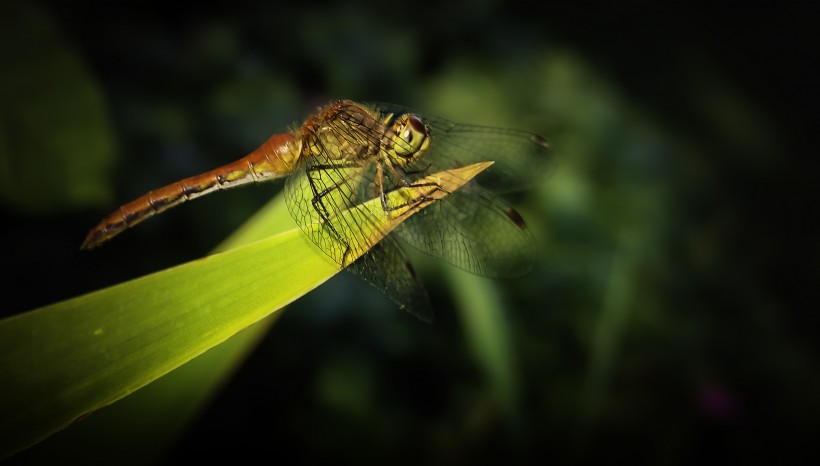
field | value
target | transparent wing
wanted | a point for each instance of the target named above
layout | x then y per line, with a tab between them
521	158
339	175
475	230
395	277
319	196
472	228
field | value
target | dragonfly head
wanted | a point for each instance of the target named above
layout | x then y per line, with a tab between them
412	137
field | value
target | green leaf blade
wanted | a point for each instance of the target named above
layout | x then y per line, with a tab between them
64	361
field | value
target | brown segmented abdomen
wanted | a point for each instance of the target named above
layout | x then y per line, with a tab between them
277	157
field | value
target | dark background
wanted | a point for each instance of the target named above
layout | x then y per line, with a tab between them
672	314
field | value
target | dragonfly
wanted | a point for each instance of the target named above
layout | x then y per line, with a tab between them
347	153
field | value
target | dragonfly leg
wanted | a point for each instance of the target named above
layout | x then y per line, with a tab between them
416	171
378	187
321	208
403	176
333	166
345	254
318	195
416	200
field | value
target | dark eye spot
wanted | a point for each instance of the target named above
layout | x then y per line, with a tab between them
539	140
410	269
516	218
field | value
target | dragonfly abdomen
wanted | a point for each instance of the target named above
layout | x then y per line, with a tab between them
277	157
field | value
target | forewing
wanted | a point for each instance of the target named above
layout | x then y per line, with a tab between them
475	230
521	158
387	268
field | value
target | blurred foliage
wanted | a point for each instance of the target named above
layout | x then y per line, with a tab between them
55	140
671	318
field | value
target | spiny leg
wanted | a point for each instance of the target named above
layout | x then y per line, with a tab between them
418	171
402	175
414	201
321	208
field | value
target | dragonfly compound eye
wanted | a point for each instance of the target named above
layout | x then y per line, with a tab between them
413	136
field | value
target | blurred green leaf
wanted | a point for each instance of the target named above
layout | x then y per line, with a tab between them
482	313
55	139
